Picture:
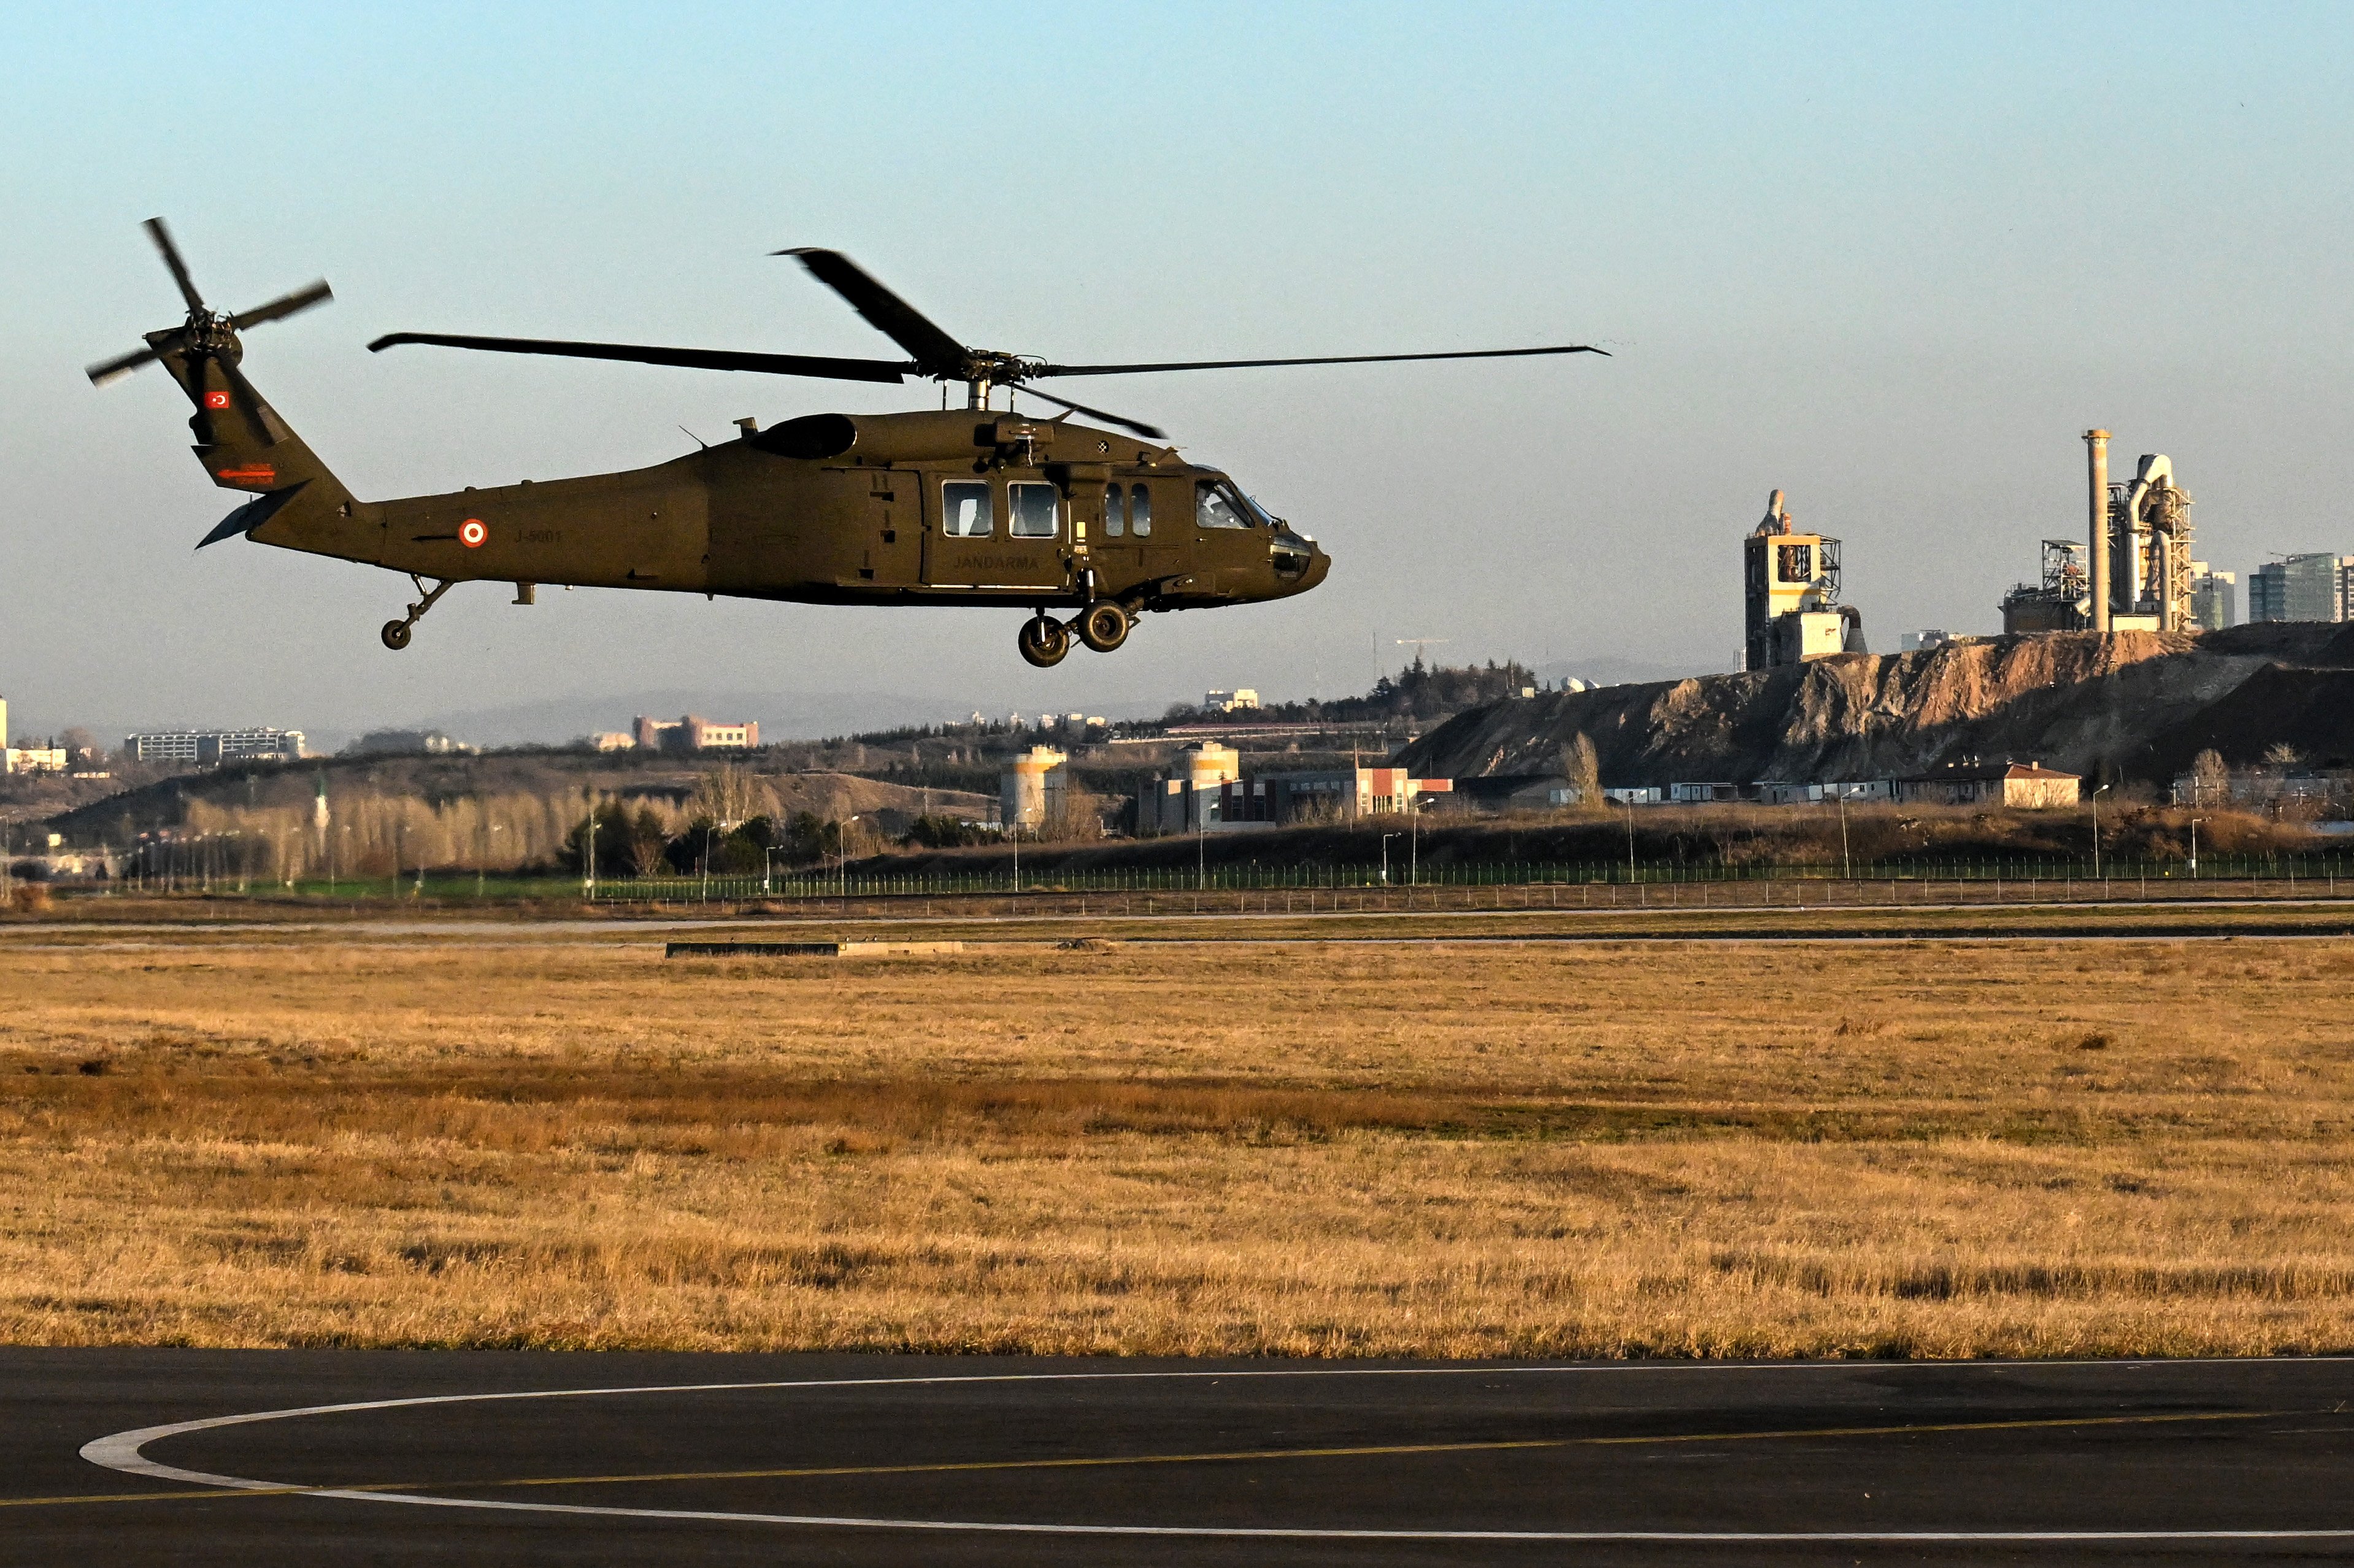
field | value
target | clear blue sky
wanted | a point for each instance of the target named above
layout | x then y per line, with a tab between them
1892	259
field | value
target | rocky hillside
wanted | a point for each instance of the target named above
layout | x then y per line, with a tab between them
2134	705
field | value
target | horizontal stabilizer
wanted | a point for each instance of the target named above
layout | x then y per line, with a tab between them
252	514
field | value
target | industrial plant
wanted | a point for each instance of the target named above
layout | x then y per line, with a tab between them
2134	571
1792	594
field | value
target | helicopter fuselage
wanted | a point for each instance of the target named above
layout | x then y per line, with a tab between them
969	507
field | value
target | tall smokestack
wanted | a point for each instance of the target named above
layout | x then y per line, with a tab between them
2096	459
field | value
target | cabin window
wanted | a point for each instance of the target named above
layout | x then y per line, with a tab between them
1139	514
1032	508
1796	563
1115	514
1214	508
964	510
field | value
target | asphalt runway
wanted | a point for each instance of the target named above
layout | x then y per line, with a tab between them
302	1456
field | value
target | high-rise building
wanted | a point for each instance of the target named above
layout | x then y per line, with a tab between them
2214	599
2309	586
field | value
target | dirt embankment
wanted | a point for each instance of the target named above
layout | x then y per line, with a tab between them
2134	705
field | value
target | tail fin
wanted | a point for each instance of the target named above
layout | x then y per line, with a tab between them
244	445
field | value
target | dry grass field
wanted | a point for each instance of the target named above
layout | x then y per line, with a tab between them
452	1134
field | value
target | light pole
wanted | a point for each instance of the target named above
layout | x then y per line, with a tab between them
842	856
483	854
2194	844
2096	831
1413	839
588	860
1629	804
1385	856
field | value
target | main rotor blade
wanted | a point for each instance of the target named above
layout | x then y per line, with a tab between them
122	365
690	358
1327	359
1149	432
163	238
936	354
284	305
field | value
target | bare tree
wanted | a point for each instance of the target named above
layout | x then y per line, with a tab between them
730	795
1077	817
2283	756
2211	781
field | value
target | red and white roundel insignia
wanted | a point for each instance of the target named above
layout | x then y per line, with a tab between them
216	399
471	533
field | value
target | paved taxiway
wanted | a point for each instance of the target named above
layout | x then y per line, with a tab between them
397	1456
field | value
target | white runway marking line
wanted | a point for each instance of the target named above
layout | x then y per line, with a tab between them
121	1451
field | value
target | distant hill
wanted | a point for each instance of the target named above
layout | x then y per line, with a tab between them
2140	704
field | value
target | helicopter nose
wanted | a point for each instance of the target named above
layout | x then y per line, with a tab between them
1318	563
1307	568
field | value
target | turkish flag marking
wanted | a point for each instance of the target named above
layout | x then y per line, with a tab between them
216	399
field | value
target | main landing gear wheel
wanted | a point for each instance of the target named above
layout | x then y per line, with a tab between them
1103	625
396	635
1044	640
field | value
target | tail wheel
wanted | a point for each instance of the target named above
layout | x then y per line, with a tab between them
1105	625
1044	640
396	635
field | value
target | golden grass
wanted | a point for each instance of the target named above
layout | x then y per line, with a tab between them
368	1135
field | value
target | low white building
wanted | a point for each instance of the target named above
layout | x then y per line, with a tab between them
205	747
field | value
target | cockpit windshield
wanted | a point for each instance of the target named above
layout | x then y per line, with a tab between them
1217	504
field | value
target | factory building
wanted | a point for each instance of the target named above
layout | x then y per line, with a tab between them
2139	539
1205	792
2059	599
2133	570
1187	797
2311	587
1032	794
1790	595
209	747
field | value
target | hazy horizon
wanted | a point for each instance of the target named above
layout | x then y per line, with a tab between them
1890	261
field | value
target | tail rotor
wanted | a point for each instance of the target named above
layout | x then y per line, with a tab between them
205	333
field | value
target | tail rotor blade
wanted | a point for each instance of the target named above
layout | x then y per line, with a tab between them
1149	432
122	365
285	305
163	238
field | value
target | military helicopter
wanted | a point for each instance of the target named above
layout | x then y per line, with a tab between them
975	506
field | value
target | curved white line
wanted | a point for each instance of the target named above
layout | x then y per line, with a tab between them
121	1451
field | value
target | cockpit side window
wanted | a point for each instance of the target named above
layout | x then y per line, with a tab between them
1115	512
964	510
1217	506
